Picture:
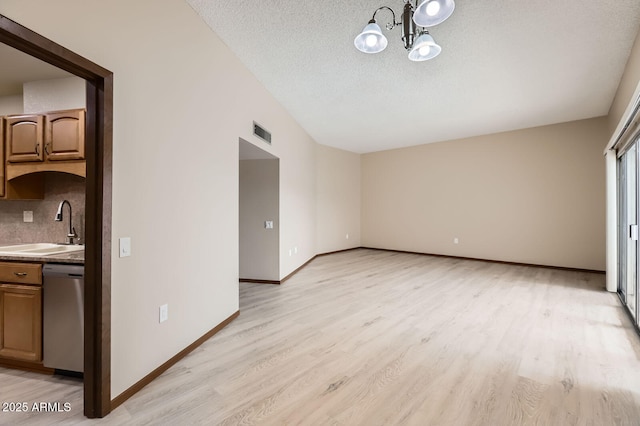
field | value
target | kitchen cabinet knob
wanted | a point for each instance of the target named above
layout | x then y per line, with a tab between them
20	274
37	150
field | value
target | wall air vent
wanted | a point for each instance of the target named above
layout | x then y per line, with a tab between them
262	133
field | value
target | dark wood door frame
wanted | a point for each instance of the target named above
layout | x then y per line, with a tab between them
99	130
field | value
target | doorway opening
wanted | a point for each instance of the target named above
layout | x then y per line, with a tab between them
259	215
98	154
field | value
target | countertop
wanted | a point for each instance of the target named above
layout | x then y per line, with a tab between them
76	257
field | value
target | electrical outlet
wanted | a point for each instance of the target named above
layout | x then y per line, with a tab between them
346	236
125	247
164	312
27	216
455	240
295	250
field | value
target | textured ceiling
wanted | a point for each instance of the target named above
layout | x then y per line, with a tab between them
504	65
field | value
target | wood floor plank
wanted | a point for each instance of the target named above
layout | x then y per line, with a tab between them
368	337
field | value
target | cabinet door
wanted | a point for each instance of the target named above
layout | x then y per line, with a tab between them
24	136
21	322
64	135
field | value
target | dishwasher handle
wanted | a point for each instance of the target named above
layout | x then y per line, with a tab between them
62	270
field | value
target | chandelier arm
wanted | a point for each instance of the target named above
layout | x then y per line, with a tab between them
390	25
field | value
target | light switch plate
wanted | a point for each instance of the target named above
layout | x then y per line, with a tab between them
164	312
27	216
268	224
125	247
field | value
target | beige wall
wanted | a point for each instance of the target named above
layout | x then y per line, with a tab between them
182	100
46	95
627	87
259	202
54	95
297	199
338	199
11	105
533	196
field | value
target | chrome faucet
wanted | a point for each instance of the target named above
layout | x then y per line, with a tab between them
72	231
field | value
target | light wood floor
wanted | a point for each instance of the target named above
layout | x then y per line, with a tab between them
377	338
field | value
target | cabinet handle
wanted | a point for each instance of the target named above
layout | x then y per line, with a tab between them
20	274
37	149
46	148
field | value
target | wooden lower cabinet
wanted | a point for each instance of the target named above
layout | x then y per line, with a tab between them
21	312
21	322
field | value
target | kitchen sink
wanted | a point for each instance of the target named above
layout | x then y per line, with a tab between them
38	249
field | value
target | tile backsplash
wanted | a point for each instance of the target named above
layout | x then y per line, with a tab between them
44	229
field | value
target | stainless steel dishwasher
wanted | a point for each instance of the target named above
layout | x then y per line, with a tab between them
63	315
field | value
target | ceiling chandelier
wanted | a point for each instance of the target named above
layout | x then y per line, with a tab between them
425	13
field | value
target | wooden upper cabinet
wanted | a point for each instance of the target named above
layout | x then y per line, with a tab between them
64	135
24	138
55	136
51	142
